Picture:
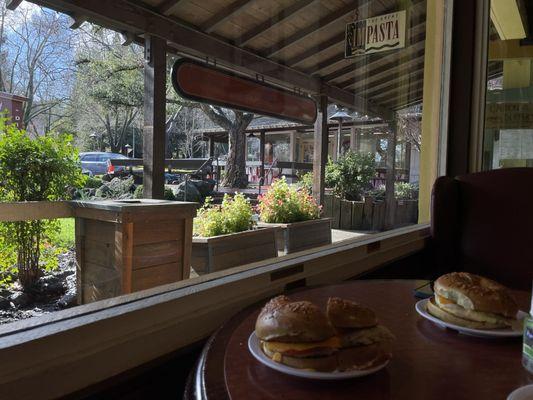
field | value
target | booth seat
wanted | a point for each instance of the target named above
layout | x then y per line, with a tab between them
483	223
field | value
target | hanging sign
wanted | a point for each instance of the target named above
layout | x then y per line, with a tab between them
212	85
376	34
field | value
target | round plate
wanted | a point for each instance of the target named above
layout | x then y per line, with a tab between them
421	308
522	393
255	348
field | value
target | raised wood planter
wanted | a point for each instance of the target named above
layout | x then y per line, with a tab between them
126	246
367	215
210	254
303	235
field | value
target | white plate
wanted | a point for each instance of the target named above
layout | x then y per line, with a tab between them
523	393
255	348
421	308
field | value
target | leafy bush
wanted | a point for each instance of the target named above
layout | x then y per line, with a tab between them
40	169
402	191
234	215
305	182
351	175
138	194
285	204
116	189
406	191
93	183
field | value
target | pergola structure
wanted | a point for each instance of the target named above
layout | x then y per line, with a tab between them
296	44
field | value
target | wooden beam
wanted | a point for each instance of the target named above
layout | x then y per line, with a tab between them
320	150
323	22
13	4
364	62
368	88
227	12
123	15
260	29
168	6
262	140
314	50
155	72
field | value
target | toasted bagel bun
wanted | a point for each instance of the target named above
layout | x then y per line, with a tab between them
365	337
441	314
473	292
348	314
362	357
281	320
323	364
472	315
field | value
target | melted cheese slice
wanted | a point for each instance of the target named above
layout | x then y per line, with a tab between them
443	300
280	347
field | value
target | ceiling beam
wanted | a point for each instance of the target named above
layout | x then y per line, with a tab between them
270	23
417	17
368	89
167	7
219	18
123	15
389	70
408	83
417	41
414	97
323	22
13	4
314	50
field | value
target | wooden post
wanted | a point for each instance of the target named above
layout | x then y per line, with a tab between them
320	157
211	144
353	139
390	199
262	155
155	71
292	146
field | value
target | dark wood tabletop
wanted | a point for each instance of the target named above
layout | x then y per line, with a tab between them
428	362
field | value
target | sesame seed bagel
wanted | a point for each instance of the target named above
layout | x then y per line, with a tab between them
474	292
348	314
300	321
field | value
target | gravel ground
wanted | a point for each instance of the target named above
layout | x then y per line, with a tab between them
54	291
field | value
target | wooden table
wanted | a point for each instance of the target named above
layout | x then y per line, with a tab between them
428	362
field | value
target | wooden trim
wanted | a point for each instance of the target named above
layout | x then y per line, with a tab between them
320	149
85	345
32	210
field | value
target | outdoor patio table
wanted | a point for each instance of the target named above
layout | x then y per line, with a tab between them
429	362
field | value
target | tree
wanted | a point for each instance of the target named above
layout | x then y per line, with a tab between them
36	47
108	94
235	123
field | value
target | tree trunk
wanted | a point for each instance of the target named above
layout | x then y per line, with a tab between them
236	163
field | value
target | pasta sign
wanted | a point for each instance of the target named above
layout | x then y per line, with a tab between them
376	34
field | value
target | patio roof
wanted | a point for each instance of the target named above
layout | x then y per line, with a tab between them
298	44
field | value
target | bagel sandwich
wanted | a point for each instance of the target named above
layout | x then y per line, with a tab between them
472	301
300	335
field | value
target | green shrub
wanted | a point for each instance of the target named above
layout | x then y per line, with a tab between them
233	215
40	169
93	183
285	204
305	182
406	191
351	176
138	194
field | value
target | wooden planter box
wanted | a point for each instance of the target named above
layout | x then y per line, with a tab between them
367	215
126	246
303	235
210	254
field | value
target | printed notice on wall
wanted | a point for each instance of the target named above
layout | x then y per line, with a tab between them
376	34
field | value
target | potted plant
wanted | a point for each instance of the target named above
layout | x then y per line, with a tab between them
225	236
296	212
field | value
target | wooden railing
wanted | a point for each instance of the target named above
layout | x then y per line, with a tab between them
33	210
195	164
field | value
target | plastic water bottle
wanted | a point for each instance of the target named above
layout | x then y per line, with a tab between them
527	352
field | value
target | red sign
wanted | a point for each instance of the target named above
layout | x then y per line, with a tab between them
199	82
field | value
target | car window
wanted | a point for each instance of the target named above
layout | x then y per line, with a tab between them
89	157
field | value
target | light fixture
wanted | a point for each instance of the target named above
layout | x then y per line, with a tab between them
340	116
